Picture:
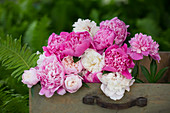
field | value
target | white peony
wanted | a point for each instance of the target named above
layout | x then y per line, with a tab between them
115	84
85	25
92	61
41	59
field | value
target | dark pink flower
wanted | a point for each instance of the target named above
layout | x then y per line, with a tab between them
103	39
55	44
117	60
73	44
79	42
143	45
91	77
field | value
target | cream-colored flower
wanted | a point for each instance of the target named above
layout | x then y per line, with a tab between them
41	59
92	61
115	84
85	25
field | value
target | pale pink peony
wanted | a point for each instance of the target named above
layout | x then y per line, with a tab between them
29	77
73	44
117	60
118	27
70	66
51	75
91	77
103	39
72	83
143	45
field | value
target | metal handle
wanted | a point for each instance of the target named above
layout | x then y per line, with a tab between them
91	100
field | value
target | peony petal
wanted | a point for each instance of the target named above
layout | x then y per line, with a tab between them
69	52
156	57
61	91
42	91
29	86
79	50
47	53
48	94
116	97
109	68
91	77
124	47
136	56
145	53
127	74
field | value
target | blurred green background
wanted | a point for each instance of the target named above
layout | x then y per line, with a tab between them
35	20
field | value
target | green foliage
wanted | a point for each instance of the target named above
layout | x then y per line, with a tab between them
153	68
138	80
13	56
146	74
152	77
135	71
76	59
11	102
160	74
106	72
37	32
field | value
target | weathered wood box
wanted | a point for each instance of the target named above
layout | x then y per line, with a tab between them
157	95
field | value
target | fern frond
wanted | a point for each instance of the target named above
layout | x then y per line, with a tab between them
11	102
14	56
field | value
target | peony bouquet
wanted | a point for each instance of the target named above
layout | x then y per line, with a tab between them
90	54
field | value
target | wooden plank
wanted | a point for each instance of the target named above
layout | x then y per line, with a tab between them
158	96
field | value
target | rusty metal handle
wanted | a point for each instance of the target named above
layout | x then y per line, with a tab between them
91	100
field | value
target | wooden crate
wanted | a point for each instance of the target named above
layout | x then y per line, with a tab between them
157	95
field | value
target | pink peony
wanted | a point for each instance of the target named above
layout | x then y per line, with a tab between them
103	39
118	27
117	60
70	66
91	77
51	75
79	42
72	83
55	43
143	45
29	77
73	44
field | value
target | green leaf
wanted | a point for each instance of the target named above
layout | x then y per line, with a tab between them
14	56
153	68
138	80
76	59
84	84
146	73
135	70
106	72
160	74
